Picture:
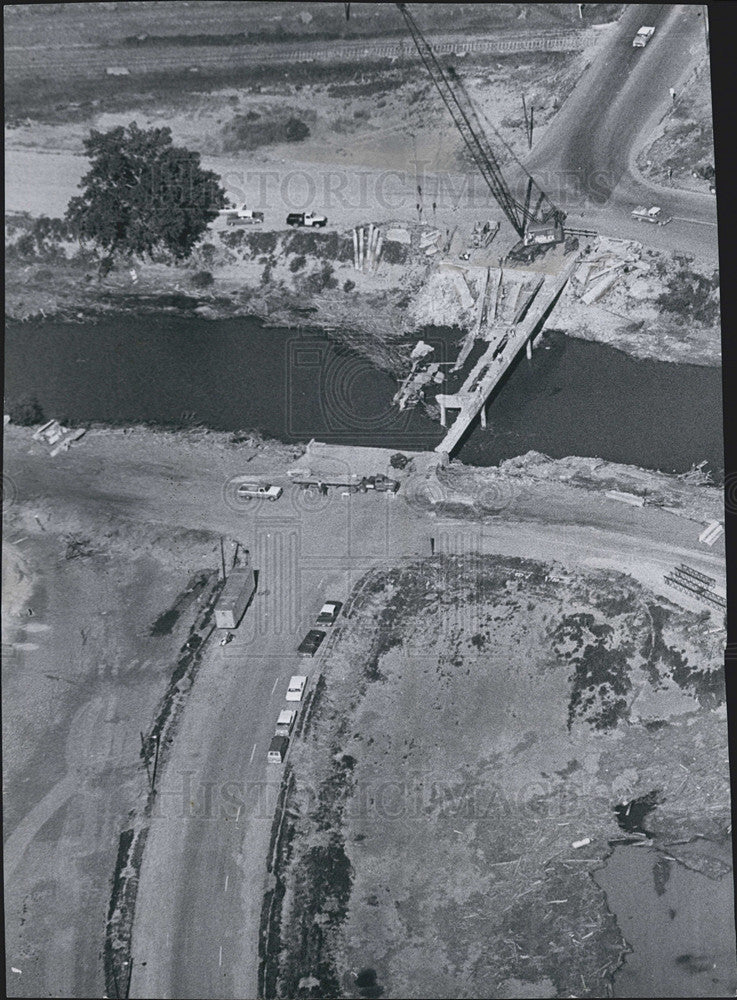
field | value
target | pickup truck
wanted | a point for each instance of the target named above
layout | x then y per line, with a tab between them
306	219
380	483
257	491
652	215
642	37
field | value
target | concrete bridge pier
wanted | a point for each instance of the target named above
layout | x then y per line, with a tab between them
528	348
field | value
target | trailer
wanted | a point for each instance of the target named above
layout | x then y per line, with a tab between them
235	598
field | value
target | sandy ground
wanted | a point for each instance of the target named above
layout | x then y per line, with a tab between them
81	678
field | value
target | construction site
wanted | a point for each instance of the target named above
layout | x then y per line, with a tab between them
300	700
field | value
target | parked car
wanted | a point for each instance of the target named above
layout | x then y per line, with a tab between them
277	749
296	687
329	612
311	642
285	722
228	637
256	491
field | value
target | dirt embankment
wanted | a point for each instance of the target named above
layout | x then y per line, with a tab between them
457	488
682	151
646	303
481	720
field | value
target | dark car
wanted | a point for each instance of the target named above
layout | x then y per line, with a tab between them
311	642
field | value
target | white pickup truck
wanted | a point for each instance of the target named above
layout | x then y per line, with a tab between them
652	215
642	37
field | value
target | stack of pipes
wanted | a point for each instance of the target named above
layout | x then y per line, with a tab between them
377	250
367	247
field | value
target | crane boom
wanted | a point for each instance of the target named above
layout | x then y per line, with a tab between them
537	208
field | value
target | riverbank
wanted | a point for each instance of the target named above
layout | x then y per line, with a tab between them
647	303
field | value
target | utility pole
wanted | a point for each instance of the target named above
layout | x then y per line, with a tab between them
222	557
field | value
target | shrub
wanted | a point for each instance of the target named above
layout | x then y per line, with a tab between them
349	285
26	411
202	279
249	132
398	460
394	253
207	254
297	263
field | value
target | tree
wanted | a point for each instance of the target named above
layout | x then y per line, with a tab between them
143	194
26	411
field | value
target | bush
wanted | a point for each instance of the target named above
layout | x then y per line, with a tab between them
394	253
26	411
320	280
202	279
207	254
251	131
297	263
349	285
398	460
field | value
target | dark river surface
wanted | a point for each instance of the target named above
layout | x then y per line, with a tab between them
573	398
679	924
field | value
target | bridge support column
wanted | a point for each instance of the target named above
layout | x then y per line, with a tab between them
528	348
482	414
443	412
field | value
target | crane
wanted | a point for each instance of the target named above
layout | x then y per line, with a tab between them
536	220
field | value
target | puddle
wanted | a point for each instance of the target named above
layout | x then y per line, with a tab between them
679	924
632	815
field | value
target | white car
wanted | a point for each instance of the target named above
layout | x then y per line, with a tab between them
256	491
296	687
643	36
329	612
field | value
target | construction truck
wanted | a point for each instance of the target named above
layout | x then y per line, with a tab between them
351	482
306	219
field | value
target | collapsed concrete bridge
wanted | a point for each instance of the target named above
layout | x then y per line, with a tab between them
505	343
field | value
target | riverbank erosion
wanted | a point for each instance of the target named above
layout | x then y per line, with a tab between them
647	303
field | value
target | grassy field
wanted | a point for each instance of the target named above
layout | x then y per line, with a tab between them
481	716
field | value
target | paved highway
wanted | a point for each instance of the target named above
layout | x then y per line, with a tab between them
585	161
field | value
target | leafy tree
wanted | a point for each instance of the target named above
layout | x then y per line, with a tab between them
143	194
26	411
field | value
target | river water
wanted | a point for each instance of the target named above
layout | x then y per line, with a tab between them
679	924
573	398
